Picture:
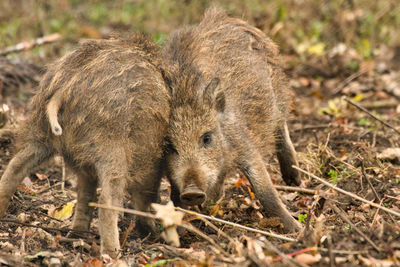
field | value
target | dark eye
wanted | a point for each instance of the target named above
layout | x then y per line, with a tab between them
206	139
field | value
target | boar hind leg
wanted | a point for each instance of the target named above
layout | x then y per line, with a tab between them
112	176
26	159
254	169
87	185
287	156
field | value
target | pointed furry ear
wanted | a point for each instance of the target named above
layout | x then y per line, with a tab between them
167	80
213	96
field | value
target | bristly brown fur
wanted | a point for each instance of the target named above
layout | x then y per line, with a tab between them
245	114
114	108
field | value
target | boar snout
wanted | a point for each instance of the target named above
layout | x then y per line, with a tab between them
192	195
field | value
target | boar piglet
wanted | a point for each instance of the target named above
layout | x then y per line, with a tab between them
229	102
110	98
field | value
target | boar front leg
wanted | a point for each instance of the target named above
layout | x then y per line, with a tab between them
145	191
253	167
287	156
112	175
25	160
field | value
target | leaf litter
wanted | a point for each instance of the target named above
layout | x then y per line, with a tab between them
336	141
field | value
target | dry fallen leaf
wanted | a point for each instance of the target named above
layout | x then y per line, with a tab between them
170	218
65	211
392	154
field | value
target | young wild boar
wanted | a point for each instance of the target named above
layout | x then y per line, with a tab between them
112	100
229	102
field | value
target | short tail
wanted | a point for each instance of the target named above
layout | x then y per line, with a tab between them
52	112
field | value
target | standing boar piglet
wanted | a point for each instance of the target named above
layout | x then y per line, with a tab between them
229	102
110	98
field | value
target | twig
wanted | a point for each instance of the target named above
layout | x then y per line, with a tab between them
347	193
336	251
330	253
312	127
131	211
349	79
238	225
29	45
149	215
193	229
343	215
219	231
126	233
281	256
48	188
301	251
48	216
296	189
64	230
372	187
390	103
370	114
22	248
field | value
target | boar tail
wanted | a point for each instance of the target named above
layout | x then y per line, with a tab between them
52	111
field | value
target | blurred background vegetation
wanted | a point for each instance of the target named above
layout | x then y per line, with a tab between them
300	27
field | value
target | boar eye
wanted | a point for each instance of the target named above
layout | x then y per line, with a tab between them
206	139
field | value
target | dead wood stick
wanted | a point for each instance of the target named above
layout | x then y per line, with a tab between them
336	251
29	45
131	211
149	215
219	231
370	114
286	259
349	79
193	229
64	230
372	187
237	225
347	193
296	189
343	215
332	262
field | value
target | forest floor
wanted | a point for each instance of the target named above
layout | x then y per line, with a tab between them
336	141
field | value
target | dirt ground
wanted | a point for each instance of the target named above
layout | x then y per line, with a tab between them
335	140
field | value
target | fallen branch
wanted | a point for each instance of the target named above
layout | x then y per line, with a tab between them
64	230
29	45
187	226
296	189
370	114
343	215
238	225
347	193
149	215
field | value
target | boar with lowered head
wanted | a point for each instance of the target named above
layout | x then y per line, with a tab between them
229	104
111	100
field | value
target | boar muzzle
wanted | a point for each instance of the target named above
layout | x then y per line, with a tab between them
192	195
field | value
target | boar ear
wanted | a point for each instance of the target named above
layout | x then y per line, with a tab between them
167	80
213	96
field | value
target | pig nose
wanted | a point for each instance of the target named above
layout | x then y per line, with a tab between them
192	196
